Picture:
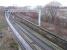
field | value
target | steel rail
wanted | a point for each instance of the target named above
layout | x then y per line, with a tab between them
18	36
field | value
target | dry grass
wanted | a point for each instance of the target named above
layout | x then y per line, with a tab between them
7	42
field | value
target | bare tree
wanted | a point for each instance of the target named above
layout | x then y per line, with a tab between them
51	10
50	14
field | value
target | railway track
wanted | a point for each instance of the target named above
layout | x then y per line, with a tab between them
37	39
23	44
45	33
37	43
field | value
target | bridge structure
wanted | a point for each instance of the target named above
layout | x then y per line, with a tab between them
30	36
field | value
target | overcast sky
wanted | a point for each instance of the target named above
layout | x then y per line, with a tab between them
29	2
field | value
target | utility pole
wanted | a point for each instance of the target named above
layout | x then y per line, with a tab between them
39	18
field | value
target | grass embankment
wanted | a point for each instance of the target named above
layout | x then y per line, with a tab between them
2	25
7	42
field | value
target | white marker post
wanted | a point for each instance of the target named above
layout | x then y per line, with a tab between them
39	18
